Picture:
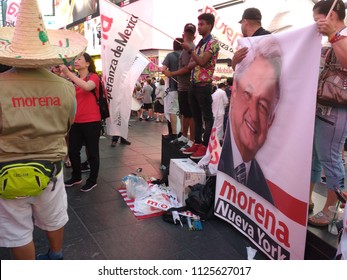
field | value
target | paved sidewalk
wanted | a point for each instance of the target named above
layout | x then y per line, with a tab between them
101	225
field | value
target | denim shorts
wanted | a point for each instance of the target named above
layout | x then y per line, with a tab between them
329	138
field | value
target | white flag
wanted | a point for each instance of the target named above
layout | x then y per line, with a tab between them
126	91
122	37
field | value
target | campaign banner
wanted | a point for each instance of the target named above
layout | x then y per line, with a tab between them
12	9
264	169
122	35
226	33
138	66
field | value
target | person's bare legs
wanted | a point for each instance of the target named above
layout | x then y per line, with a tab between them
150	113
26	252
331	201
55	239
185	126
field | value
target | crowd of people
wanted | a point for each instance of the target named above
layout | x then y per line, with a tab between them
189	96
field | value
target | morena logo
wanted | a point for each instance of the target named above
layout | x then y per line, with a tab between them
47	101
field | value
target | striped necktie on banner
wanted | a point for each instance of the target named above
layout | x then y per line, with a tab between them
240	172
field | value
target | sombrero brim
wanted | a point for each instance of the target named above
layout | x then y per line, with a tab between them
63	47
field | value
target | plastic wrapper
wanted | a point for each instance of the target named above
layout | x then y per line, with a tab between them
135	185
157	199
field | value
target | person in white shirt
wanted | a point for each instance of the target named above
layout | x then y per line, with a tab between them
220	101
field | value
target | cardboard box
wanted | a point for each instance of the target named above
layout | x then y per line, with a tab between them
184	172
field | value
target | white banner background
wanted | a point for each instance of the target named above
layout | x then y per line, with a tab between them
136	69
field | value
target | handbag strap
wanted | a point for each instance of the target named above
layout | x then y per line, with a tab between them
332	64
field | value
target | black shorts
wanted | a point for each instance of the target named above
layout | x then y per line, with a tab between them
147	106
158	107
184	106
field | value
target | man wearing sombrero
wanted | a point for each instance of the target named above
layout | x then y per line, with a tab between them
36	110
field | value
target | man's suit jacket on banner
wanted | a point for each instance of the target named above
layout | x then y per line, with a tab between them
255	179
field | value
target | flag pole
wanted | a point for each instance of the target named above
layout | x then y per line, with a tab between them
158	71
332	8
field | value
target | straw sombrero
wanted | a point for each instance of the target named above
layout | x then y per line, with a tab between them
30	45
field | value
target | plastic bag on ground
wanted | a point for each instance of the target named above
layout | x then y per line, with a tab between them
135	185
157	199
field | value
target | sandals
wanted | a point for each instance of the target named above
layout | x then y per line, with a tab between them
319	220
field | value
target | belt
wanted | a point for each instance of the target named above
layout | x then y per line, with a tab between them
202	84
57	165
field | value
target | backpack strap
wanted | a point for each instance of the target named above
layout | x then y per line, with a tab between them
94	90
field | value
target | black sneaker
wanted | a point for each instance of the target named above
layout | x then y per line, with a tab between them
71	182
88	186
179	141
85	167
125	142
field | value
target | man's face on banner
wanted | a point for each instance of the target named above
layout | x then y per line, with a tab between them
253	104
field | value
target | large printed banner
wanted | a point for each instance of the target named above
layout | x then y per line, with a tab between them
126	90
264	170
122	35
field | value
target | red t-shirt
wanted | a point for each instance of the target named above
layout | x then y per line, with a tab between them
87	108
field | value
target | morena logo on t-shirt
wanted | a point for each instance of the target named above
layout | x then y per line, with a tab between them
47	101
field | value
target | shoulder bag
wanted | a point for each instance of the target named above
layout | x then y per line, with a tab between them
332	84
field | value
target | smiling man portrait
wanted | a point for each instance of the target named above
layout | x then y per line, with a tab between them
256	93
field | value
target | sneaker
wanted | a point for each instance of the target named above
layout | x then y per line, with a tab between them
88	186
187	146
180	141
71	182
192	149
85	167
125	142
50	256
200	153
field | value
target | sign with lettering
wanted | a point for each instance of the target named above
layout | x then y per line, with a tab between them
122	35
225	32
264	169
